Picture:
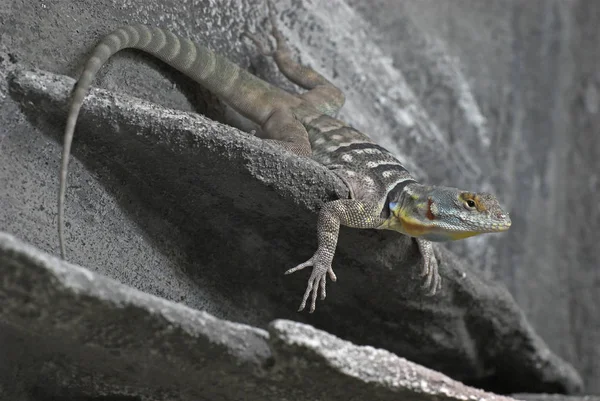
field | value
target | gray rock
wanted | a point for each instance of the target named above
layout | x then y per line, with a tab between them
554	397
70	333
461	92
514	87
472	324
381	374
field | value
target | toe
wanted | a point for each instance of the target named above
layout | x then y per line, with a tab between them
323	288
428	280
305	297
299	267
332	275
425	268
315	292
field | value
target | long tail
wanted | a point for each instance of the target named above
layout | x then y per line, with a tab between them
244	92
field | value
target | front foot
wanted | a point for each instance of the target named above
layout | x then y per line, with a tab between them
318	278
429	268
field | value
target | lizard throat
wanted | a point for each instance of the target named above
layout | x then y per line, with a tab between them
400	221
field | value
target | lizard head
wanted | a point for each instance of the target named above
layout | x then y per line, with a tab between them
445	214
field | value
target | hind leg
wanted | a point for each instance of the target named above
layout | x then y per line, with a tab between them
322	94
283	129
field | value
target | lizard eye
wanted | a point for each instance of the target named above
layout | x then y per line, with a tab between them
470	204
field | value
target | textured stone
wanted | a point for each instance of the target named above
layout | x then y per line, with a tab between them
67	332
461	92
554	397
70	334
471	324
530	70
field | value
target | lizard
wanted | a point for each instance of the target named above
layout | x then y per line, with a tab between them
382	193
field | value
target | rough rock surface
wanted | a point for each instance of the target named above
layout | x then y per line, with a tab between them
214	226
472	324
515	87
554	397
73	334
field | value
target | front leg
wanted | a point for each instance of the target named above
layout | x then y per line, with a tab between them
349	212
429	269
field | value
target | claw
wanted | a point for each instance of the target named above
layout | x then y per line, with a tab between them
305	297
323	288
433	281
261	49
315	291
433	289
274	31
425	269
279	39
332	275
427	282
272	13
429	268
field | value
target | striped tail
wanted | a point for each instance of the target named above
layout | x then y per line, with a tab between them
244	92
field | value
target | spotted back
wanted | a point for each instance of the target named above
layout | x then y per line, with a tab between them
369	170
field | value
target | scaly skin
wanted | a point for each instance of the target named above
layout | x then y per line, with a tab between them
383	193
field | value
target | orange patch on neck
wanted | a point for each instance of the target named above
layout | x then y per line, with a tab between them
408	225
414	228
430	214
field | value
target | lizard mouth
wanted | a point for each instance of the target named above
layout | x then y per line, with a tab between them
470	231
490	226
496	226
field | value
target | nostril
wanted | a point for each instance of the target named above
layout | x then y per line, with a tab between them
504	218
